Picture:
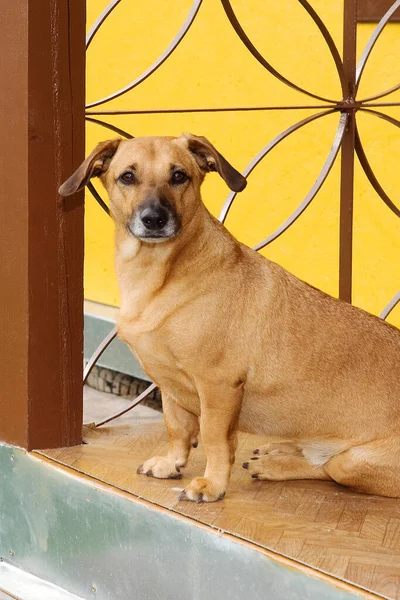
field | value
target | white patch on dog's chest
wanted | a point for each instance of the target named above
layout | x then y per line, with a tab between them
129	248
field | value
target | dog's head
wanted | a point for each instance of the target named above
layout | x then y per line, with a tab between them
153	182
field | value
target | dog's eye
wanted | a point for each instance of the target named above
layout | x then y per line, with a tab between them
179	177
128	177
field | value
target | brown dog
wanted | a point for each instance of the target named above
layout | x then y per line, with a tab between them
236	342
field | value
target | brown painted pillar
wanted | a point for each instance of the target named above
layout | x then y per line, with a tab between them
42	61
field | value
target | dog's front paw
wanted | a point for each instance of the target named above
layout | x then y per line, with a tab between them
202	489
161	467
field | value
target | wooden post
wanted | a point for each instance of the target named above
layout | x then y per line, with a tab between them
42	57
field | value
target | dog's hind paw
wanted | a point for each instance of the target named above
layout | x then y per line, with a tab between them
259	468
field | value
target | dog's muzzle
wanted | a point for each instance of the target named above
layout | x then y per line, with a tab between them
154	221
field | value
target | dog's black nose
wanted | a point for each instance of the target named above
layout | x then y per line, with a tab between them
154	217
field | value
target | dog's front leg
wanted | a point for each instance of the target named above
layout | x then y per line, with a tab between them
183	428
220	407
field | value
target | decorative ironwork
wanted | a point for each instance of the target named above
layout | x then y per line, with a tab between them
347	138
173	45
317	185
99	22
98	352
135	402
388	309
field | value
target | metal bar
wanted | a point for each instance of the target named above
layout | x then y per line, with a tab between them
92	361
380	104
137	401
99	22
109	126
349	46
372	41
389	307
329	41
98	198
98	352
160	60
362	157
162	111
382	115
258	158
346	213
315	188
230	13
382	94
347	155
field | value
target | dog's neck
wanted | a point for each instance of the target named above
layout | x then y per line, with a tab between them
147	270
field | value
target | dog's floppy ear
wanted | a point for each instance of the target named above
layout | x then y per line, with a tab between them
209	159
95	164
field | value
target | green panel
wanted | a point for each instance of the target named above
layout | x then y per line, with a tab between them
117	356
97	544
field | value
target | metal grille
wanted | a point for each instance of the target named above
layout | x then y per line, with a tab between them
346	140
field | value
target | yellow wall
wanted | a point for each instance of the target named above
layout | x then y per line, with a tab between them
212	68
